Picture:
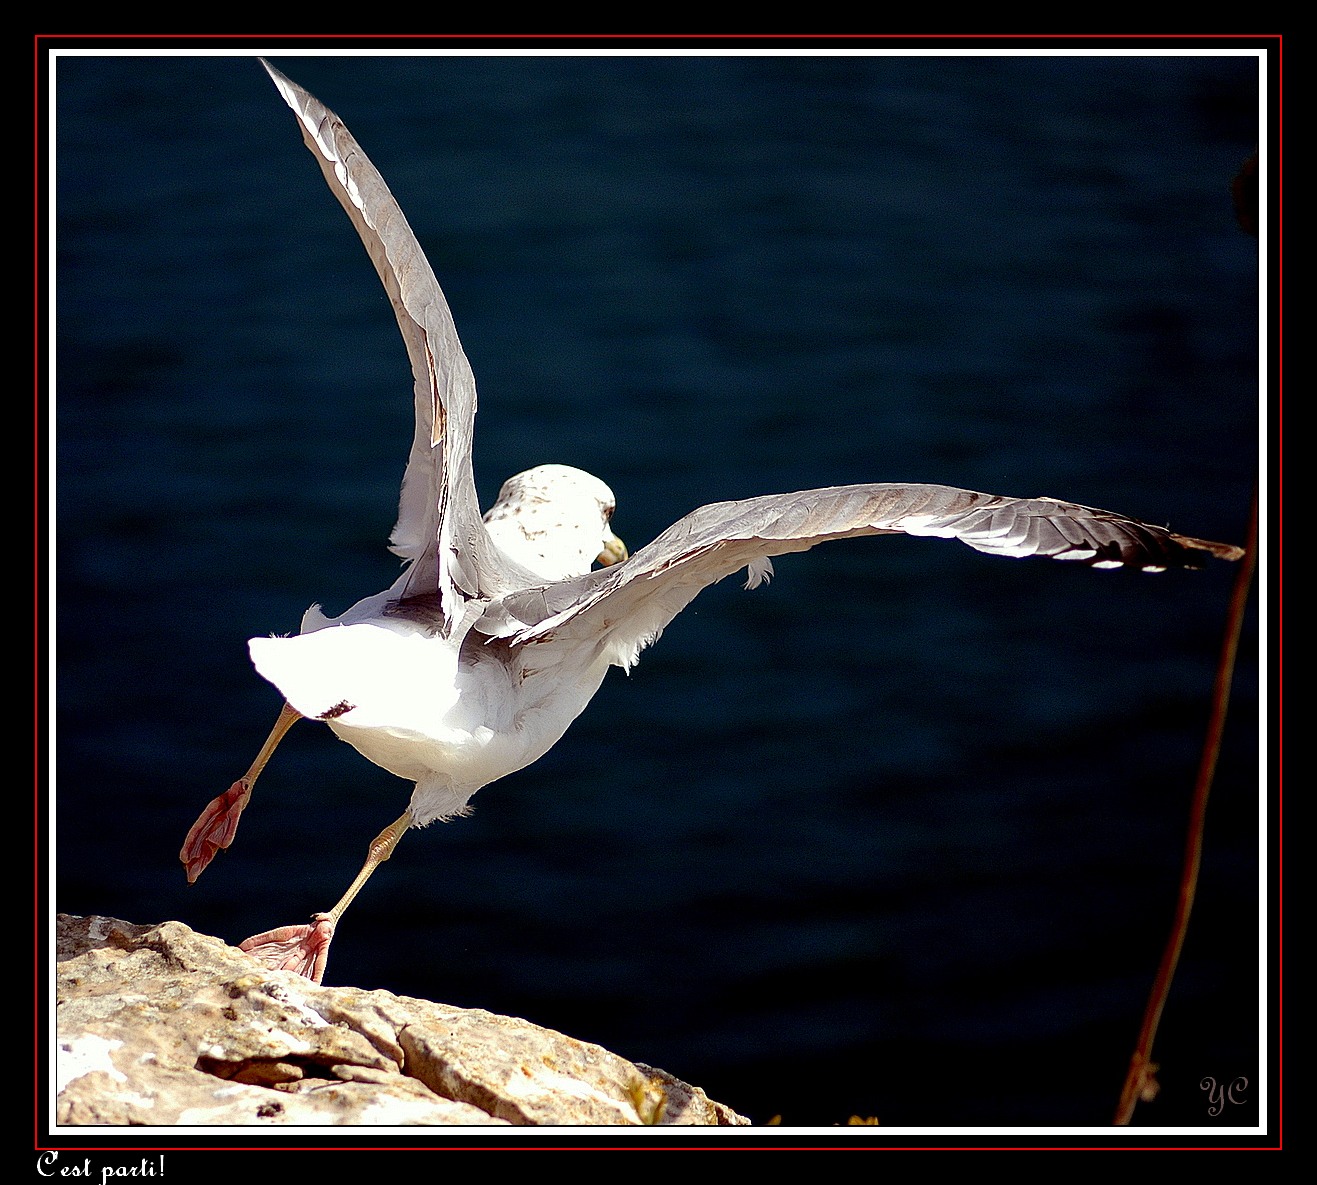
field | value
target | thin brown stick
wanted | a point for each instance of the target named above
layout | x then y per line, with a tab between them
1140	1081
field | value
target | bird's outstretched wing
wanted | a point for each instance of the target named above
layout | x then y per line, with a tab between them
626	606
439	527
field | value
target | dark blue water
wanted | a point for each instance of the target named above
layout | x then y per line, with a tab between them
897	835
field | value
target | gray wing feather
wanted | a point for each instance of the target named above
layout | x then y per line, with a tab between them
441	533
439	527
626	606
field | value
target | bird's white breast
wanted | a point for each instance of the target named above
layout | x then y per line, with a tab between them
449	715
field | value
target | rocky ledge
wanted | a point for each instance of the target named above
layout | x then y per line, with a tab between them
158	1026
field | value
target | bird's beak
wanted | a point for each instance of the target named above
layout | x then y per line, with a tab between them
614	552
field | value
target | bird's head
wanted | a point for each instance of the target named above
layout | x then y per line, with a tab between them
553	519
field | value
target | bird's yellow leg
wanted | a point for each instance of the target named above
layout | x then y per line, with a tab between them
218	823
381	848
305	949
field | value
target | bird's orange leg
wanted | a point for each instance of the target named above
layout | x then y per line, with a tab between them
218	823
305	949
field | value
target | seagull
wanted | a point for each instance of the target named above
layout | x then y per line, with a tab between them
500	627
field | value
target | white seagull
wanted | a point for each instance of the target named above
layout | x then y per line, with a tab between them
498	631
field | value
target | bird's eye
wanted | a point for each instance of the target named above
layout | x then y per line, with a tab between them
608	513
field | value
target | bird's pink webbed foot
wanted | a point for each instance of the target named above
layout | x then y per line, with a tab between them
304	949
214	829
218	823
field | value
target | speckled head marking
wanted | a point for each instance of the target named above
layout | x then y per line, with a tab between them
553	519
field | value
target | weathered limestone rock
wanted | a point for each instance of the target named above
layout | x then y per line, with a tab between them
158	1025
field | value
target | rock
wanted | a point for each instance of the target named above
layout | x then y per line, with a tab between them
159	1025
